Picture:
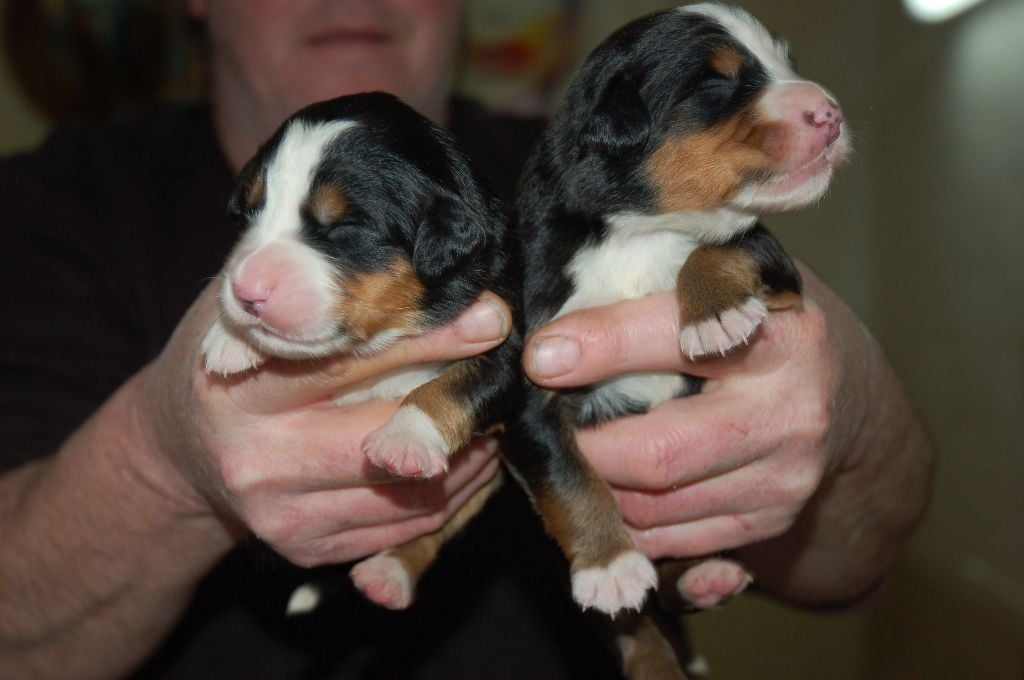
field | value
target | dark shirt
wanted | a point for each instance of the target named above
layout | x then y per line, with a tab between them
107	234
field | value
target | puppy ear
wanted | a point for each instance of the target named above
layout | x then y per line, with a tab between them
447	237
620	122
250	190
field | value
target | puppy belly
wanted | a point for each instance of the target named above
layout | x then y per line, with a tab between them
629	394
394	385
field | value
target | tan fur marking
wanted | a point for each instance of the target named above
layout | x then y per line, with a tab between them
329	204
379	301
715	279
254	193
582	516
704	170
418	554
726	62
442	400
787	299
646	654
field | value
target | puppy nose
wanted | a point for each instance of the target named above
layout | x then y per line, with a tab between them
827	116
252	296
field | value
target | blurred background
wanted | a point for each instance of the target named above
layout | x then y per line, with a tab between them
923	235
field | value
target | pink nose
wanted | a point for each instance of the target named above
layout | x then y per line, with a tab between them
827	117
252	295
273	285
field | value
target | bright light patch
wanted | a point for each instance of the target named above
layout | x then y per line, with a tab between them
934	11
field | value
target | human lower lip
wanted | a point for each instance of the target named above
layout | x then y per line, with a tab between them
348	37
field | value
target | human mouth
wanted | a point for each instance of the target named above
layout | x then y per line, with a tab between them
336	37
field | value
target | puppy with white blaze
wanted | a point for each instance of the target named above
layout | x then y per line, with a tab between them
363	224
675	136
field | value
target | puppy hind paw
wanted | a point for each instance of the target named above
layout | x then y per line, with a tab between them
623	584
225	354
384	580
719	334
408	445
713	582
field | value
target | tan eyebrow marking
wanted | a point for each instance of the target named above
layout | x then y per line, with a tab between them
328	204
726	61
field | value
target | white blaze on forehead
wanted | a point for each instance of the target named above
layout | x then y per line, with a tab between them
289	175
750	33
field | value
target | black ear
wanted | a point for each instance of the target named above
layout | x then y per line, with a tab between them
620	122
447	237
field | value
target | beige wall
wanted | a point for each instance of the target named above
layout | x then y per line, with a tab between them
922	234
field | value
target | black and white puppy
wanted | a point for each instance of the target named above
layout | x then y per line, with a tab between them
364	223
676	134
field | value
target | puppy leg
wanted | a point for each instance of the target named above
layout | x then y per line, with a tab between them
608	572
389	578
645	651
725	291
438	418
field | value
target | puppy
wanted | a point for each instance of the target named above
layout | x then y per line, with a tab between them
364	223
675	136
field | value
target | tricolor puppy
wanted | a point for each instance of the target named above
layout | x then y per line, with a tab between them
675	136
364	223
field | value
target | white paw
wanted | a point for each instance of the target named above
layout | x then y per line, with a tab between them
712	582
408	445
623	584
384	581
717	336
225	353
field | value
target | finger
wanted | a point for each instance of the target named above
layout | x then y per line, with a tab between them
282	385
683	440
639	335
749	489
320	449
305	450
591	344
381	504
706	536
361	541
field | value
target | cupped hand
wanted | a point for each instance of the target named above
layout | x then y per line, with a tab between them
270	453
737	463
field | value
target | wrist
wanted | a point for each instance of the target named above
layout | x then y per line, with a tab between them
125	443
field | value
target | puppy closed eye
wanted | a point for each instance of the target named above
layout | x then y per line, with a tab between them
342	230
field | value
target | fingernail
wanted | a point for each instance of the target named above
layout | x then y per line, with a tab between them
482	322
555	356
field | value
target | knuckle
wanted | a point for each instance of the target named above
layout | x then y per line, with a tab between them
640	510
798	484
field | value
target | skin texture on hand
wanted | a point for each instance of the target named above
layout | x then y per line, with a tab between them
776	456
166	476
269	449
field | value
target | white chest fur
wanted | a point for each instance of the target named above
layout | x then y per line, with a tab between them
626	266
394	385
642	254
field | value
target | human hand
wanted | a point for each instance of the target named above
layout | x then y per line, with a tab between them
740	461
269	452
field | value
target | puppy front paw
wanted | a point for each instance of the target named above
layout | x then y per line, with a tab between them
623	584
226	354
408	445
719	333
